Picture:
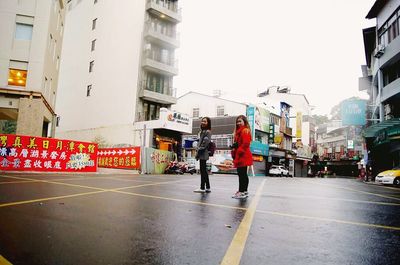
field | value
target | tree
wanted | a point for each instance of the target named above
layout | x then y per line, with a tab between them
8	127
320	119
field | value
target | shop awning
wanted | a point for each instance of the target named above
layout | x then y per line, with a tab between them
371	131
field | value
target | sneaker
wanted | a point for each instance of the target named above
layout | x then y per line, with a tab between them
239	195
199	190
246	193
208	190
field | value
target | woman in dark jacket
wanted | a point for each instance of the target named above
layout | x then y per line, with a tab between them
241	154
202	154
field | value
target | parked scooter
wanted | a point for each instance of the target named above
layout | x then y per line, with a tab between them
175	167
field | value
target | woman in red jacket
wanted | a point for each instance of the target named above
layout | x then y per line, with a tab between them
242	157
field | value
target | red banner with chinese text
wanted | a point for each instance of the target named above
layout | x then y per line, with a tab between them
128	158
32	153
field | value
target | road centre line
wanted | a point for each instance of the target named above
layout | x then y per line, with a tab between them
235	251
329	198
3	261
350	189
329	220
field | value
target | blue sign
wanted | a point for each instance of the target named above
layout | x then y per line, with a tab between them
250	113
258	148
353	112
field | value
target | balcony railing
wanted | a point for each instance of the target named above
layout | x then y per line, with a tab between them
158	58
170	34
168	91
162	36
170	5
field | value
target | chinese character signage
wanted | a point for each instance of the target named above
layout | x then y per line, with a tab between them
353	112
128	158
299	124
31	153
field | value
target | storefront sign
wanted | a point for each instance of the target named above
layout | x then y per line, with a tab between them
175	120
353	112
128	158
258	148
31	153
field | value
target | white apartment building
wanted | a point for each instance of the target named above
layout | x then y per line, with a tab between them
200	105
32	35
117	69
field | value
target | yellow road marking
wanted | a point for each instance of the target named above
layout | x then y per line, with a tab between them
360	191
181	200
235	251
330	220
49	199
3	261
17	182
328	198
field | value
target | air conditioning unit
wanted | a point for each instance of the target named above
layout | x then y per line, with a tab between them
379	50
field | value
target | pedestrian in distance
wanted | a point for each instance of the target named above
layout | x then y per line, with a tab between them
202	154
241	154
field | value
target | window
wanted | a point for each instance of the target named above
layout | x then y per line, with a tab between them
156	83
220	111
196	112
151	111
88	89
23	31
94	23
58	121
17	73
93	45
91	65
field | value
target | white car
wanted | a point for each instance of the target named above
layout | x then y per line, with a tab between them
389	177
278	171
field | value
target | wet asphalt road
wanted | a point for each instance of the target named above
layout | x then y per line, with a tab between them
121	218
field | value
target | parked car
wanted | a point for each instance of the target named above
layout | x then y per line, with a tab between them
276	170
389	177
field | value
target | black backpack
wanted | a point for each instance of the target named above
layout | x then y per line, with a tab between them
211	148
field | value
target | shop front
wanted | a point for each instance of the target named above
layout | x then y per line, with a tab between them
161	139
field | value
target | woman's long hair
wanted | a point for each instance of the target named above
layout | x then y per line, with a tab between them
208	127
246	123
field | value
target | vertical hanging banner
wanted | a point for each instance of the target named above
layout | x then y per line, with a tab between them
299	124
31	153
125	158
250	113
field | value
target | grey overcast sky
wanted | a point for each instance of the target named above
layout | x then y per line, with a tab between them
240	47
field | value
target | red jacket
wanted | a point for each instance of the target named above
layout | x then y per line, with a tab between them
241	155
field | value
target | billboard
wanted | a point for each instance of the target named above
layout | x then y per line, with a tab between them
31	153
353	112
258	119
125	158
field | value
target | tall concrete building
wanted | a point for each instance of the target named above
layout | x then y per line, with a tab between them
117	69
381	79
31	38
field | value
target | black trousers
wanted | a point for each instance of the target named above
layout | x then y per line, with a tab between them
243	178
205	182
